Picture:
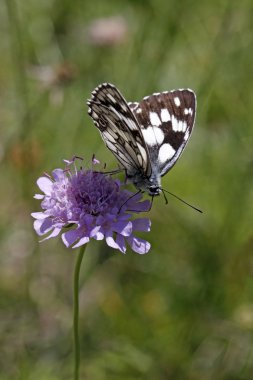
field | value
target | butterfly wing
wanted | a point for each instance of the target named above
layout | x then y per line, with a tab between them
166	120
119	129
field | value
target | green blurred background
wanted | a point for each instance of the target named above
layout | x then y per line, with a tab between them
185	310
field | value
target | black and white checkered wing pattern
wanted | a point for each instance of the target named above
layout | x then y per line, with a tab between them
119	129
166	120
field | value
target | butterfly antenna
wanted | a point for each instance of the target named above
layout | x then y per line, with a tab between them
181	200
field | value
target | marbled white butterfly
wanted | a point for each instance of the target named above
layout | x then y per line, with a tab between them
148	137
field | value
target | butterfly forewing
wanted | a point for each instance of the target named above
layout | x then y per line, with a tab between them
119	129
166	120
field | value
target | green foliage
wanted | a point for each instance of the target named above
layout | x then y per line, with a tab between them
184	311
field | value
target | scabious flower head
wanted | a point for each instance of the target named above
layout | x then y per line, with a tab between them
90	204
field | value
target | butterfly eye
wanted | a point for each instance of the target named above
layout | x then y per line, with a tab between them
154	190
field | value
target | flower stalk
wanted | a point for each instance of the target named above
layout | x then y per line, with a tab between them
79	260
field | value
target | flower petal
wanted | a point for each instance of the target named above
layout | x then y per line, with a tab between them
59	174
38	215
138	245
42	226
38	196
111	242
82	241
123	227
120	240
55	233
70	237
37	225
141	224
46	225
96	233
98	236
139	207
45	184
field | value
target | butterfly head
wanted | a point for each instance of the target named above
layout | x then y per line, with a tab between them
154	190
150	185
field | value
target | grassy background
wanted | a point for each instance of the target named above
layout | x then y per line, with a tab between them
185	310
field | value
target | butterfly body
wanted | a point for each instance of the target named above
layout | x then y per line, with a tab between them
147	137
151	185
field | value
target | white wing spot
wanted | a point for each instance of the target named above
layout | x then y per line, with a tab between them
153	136
94	115
111	146
184	126
154	118
109	137
139	157
178	125
177	101
165	115
188	111
130	123
130	150
111	98
175	124
187	134
143	152
166	152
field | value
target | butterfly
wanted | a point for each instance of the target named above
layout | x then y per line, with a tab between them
147	137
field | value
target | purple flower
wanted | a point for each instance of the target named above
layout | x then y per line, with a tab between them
90	204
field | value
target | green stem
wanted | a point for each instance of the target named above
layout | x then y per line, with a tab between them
76	312
19	67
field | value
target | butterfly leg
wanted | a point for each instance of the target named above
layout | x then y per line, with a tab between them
116	171
138	192
165	198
